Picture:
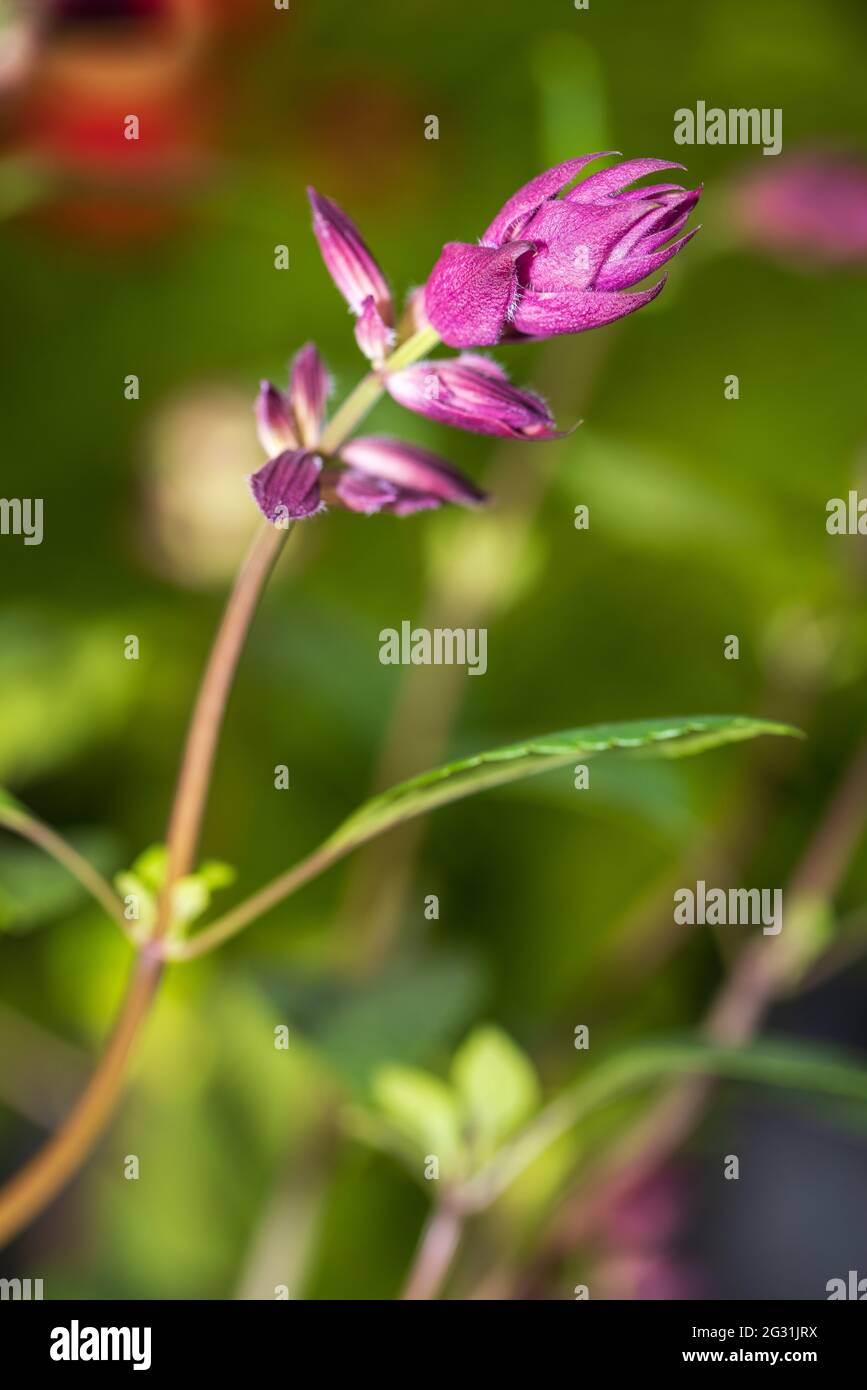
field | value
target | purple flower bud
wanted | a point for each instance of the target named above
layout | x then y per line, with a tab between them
309	388
372	334
287	487
472	393
416	477
274	421
357	492
347	258
548	265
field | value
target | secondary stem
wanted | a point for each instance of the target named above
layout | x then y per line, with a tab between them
436	1251
207	718
23	823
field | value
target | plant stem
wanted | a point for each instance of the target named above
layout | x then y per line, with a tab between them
23	822
436	1251
42	1178
39	1181
207	718
370	388
248	911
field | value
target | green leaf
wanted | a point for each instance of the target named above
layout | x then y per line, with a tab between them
790	1065
425	1111
191	895
498	1087
660	738
150	867
216	874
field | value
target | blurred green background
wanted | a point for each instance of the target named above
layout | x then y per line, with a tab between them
707	519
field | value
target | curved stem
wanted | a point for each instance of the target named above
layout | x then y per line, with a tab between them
34	1187
41	1179
248	911
22	822
207	718
436	1251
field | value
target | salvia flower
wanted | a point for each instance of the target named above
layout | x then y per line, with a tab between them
472	393
287	419
356	274
372	474
548	264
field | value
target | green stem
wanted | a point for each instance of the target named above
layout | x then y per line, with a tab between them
197	763
436	1251
24	823
368	391
39	1181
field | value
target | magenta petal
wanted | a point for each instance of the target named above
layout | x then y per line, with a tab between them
408	502
609	182
528	199
461	395
651	191
287	487
408	466
664	222
619	275
347	257
309	388
573	242
372	334
357	491
471	292
274	422
480	363
547	314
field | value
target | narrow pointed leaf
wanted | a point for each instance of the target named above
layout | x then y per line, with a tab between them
659	738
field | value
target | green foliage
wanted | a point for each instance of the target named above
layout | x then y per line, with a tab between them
492	1089
661	738
191	896
497	1086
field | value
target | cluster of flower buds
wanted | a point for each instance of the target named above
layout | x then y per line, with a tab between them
368	474
547	264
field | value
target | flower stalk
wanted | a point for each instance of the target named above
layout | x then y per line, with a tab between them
40	1180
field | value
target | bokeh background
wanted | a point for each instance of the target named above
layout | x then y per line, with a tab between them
707	519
